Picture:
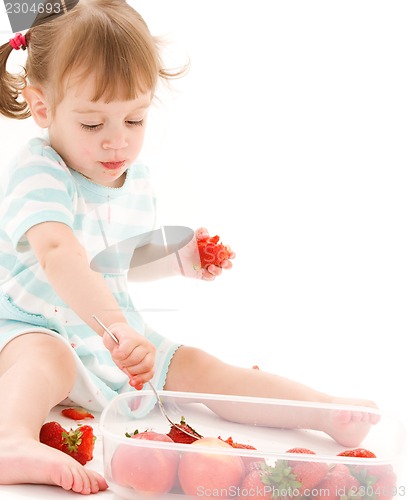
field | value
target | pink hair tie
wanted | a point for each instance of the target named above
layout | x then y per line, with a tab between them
18	42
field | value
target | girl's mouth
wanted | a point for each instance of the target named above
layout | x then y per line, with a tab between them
113	165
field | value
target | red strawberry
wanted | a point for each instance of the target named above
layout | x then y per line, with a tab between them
299	476
211	251
257	484
180	437
234	444
357	452
301	450
76	413
338	484
248	461
254	464
51	435
378	481
79	443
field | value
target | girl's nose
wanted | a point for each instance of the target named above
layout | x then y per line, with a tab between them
116	141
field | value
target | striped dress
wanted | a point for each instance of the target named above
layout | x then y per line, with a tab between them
40	188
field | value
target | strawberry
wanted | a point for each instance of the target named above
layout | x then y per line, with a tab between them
76	413
254	464
211	251
180	437
78	443
249	462
51	434
378	481
338	484
298	476
257	484
301	450
232	443
357	452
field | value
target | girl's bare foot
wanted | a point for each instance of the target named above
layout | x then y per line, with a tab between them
350	426
31	462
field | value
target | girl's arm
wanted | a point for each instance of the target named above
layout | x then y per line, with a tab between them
66	266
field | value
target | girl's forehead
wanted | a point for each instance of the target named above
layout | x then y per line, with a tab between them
81	91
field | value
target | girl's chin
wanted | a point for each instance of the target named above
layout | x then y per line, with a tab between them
114	179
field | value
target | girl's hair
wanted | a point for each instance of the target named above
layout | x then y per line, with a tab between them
105	38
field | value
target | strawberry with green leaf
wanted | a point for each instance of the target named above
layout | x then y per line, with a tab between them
379	481
298	476
338	484
258	483
79	443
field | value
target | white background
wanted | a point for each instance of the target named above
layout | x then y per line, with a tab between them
288	138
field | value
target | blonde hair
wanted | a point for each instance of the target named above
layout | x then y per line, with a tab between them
105	38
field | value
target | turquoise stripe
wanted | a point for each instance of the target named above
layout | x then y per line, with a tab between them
7	260
28	281
28	173
49	197
41	147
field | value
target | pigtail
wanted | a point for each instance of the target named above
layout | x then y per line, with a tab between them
11	86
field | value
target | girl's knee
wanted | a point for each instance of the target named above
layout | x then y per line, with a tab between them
40	349
194	370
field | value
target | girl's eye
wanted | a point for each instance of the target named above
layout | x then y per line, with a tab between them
138	123
132	123
90	127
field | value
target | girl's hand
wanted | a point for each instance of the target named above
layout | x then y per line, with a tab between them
212	271
134	354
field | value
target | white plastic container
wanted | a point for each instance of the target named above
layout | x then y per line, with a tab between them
136	467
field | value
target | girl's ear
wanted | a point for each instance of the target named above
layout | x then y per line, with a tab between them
38	105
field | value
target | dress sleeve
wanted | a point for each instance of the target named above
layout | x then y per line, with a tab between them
40	189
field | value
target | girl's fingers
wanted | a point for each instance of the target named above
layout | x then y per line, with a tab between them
207	276
201	233
144	366
108	342
226	264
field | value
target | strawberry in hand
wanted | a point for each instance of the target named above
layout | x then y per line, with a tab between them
212	252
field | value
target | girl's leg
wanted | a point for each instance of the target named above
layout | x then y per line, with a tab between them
193	370
37	371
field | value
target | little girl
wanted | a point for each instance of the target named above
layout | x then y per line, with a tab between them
91	75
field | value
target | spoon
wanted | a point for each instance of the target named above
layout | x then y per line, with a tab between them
160	403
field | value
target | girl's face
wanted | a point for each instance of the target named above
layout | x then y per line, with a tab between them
97	139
